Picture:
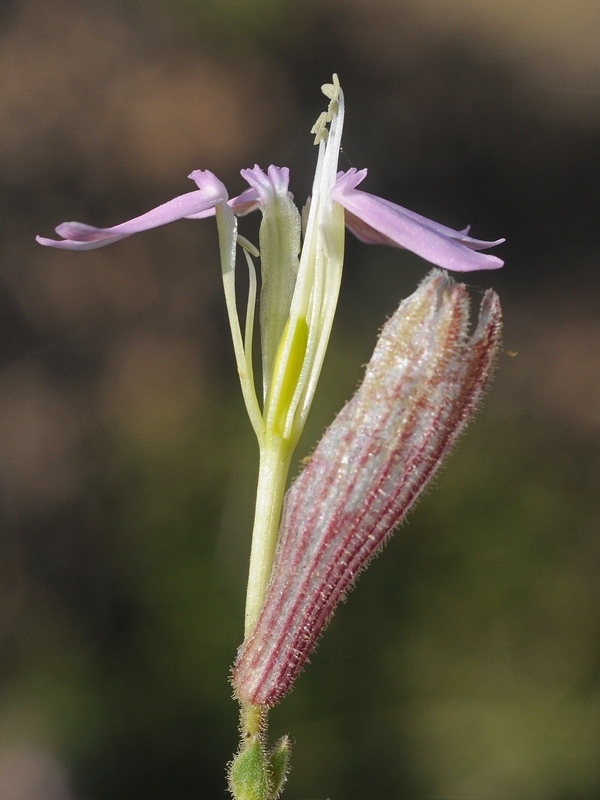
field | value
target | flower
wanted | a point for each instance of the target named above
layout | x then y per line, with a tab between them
371	219
300	280
421	387
301	271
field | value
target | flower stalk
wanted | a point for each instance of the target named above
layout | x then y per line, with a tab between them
273	469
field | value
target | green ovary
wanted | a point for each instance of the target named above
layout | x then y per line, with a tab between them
285	375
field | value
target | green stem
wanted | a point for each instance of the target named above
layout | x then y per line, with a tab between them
275	457
253	721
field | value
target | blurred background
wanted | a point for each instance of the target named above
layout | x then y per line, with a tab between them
466	664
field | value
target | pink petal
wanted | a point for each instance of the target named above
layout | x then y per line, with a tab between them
241	205
374	220
275	179
78	236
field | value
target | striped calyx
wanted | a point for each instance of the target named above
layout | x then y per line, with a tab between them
420	389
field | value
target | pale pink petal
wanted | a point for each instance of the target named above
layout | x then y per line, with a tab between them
275	179
243	204
78	236
374	220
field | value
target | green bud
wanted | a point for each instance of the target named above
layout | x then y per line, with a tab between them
248	773
279	760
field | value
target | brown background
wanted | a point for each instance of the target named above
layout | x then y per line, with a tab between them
466	664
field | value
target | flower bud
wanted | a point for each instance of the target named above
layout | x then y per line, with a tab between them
421	386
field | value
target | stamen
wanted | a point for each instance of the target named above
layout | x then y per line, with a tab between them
320	128
332	92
